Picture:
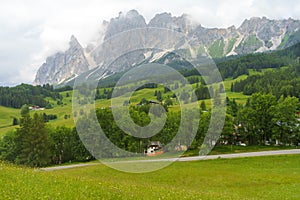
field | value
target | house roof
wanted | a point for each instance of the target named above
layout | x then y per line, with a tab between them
155	143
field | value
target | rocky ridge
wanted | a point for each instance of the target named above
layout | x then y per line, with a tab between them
254	35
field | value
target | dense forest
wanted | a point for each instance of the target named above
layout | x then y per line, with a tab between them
22	94
37	144
236	66
263	120
282	81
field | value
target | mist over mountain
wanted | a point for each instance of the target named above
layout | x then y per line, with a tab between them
254	35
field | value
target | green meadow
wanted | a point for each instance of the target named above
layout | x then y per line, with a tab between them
61	111
273	177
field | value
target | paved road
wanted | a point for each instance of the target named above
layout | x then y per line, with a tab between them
67	166
240	155
194	158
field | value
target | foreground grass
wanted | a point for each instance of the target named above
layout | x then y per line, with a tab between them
274	177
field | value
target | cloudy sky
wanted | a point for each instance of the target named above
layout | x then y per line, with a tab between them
31	30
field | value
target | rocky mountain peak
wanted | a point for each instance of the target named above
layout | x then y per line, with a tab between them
253	24
73	41
63	65
231	28
130	20
133	13
74	46
257	34
166	20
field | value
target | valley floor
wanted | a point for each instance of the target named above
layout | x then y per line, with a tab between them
269	177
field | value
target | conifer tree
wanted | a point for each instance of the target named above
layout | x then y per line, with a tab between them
32	141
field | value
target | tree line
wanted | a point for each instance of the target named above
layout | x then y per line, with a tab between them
239	65
266	120
234	66
36	144
263	120
283	81
22	94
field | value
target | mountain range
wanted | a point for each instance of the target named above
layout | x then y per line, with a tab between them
101	59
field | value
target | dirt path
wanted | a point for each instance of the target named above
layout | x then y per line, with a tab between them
184	159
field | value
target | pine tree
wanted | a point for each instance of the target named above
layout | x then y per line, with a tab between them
32	141
203	106
24	110
15	121
159	96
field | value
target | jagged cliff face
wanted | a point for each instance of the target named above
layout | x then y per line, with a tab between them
254	35
262	34
63	65
165	20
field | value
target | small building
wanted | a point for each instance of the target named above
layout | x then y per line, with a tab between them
154	148
35	108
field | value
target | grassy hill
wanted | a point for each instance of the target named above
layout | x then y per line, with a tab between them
275	177
6	118
64	111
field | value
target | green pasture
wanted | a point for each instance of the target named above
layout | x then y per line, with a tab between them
274	177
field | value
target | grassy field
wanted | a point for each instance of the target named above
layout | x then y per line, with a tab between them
7	114
6	118
275	177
